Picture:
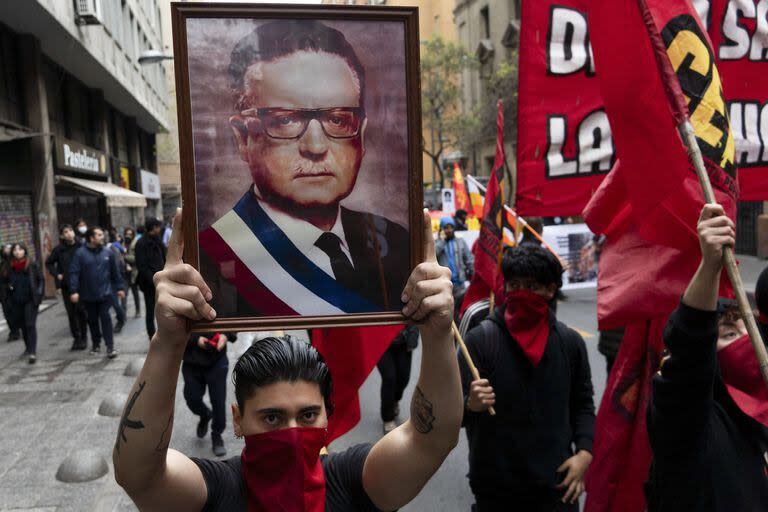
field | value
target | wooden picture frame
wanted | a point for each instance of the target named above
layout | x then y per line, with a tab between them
205	35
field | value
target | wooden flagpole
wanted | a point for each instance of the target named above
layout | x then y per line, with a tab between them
468	359
729	259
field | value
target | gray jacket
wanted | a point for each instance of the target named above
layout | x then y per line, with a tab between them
464	261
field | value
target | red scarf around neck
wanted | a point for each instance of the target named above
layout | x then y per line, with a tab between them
19	265
527	318
283	472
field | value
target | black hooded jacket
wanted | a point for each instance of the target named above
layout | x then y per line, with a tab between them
543	414
707	454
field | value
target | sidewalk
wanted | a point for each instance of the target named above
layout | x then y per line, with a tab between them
49	410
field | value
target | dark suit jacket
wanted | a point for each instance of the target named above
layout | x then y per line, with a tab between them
380	251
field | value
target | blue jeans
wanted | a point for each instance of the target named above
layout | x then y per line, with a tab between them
100	322
119	309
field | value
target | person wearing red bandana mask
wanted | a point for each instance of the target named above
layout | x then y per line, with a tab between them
708	414
283	390
533	454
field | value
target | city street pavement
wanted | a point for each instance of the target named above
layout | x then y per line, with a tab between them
49	411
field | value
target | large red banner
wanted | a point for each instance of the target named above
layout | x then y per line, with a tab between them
565	146
738	30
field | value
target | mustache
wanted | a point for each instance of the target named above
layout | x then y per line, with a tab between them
311	169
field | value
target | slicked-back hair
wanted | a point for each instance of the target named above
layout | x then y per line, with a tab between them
91	231
278	359
532	262
281	38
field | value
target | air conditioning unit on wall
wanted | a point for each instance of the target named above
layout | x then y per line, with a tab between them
88	12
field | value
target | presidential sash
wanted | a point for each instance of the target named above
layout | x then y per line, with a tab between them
269	271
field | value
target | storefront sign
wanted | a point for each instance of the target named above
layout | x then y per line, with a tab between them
150	185
72	156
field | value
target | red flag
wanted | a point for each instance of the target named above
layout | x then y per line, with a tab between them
487	248
351	354
656	70
491	229
460	197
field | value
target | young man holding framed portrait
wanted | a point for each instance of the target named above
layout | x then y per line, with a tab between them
283	389
292	245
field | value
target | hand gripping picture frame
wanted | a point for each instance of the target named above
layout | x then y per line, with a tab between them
299	140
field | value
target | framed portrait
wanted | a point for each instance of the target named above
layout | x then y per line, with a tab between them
299	132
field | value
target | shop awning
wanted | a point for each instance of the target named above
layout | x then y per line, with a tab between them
116	196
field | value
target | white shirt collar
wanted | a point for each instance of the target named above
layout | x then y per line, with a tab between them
304	234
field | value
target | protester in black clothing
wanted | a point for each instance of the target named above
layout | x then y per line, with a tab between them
150	259
460	218
283	393
130	275
25	283
206	365
5	296
534	453
58	266
608	344
395	369
93	279
708	415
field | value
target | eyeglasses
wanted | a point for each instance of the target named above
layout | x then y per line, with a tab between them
286	123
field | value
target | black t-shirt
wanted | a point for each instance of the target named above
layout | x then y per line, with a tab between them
343	482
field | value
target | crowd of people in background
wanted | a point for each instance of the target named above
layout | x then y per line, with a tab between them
94	270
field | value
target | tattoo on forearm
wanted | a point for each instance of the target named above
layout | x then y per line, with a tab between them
422	415
126	422
165	437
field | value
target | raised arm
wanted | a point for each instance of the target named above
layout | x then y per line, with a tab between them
155	477
402	462
683	390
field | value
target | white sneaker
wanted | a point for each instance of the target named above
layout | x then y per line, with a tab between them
389	426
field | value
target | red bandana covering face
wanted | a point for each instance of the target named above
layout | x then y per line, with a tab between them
741	374
527	318
283	472
19	265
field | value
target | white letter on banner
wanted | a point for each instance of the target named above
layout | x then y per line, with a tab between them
567	45
764	131
557	165
595	143
747	126
735	43
702	9
760	39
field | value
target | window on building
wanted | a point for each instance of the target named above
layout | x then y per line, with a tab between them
516	7
54	77
10	92
485	22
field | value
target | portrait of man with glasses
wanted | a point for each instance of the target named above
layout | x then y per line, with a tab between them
288	246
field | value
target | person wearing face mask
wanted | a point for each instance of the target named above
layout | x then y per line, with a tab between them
533	454
283	401
708	413
453	253
81	228
58	266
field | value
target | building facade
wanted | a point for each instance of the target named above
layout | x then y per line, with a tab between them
489	29
78	116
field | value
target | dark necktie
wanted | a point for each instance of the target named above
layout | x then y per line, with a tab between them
330	244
